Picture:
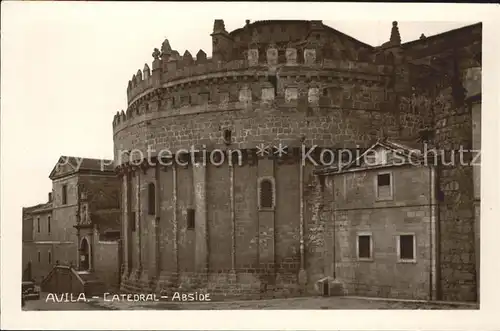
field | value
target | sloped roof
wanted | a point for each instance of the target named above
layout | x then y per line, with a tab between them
408	155
78	164
328	28
442	34
41	207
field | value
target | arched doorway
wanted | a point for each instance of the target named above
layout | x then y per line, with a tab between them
84	255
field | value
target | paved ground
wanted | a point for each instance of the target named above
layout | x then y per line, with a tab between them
290	303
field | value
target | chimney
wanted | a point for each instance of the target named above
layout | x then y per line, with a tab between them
50	196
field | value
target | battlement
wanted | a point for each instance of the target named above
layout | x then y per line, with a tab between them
247	69
242	84
314	50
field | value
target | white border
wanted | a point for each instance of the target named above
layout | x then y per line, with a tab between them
485	319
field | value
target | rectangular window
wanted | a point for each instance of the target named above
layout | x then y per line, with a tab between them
151	199
64	194
50	257
48	224
38	224
190	219
39	257
384	186
365	247
132	221
406	248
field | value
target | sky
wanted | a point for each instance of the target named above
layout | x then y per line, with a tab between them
65	69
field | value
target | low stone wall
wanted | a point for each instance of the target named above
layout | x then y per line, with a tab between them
239	285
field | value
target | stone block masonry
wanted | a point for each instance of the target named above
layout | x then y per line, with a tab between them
270	226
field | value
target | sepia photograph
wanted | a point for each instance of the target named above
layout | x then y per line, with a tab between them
196	161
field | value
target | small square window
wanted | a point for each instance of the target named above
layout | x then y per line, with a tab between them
384	180
406	248
364	247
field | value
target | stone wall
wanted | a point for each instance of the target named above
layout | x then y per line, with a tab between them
357	210
65	253
106	264
294	95
64	215
456	208
254	252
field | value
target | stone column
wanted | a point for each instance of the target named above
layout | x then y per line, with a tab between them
138	219
266	218
302	273
201	250
175	219
233	220
153	260
476	170
93	245
472	85
125	225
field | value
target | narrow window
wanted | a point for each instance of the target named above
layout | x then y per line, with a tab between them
364	246
38	224
64	194
48	224
39	257
50	257
281	56
151	199
384	187
227	136
190	219
132	221
274	82
266	193
406	247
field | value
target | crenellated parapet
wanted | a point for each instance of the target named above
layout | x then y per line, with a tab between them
211	86
181	81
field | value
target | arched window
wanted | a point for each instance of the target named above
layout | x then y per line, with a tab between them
151	199
266	193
